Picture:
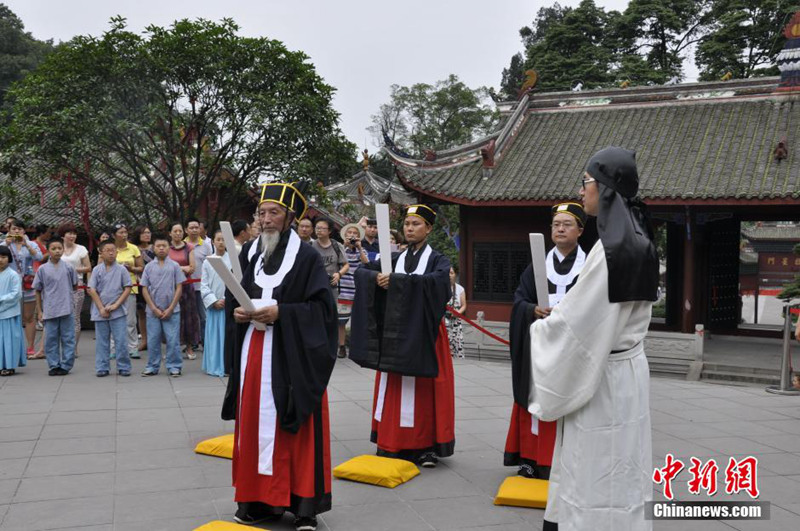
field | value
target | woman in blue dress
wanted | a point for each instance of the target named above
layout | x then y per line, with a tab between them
212	290
12	343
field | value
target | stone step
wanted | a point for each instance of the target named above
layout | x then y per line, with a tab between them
741	376
743	369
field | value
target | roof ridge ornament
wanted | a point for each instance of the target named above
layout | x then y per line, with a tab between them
789	59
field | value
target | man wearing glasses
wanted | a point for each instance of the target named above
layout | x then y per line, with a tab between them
530	443
588	368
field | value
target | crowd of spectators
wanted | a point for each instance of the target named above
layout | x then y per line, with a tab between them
130	289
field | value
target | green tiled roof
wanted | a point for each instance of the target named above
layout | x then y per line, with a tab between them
687	148
778	232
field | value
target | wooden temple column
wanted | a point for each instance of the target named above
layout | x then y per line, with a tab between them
689	301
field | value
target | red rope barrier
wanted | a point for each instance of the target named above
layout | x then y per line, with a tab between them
476	325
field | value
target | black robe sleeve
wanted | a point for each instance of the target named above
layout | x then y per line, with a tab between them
396	330
304	342
522	315
307	335
366	320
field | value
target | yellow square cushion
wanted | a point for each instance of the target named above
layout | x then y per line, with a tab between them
522	492
219	525
375	470
221	446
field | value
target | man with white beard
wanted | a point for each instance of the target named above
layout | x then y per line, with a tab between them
277	386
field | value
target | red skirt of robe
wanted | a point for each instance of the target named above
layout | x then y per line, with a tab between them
301	467
523	447
434	411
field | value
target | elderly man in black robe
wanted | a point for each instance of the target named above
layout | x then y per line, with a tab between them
282	356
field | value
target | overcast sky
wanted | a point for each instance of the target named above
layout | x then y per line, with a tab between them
359	47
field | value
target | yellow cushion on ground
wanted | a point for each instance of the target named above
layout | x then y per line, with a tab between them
375	470
221	446
522	492
219	525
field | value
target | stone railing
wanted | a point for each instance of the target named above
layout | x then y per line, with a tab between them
667	352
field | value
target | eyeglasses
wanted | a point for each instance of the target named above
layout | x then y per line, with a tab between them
566	224
586	180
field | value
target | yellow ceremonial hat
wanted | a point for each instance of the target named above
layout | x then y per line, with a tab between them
423	211
289	195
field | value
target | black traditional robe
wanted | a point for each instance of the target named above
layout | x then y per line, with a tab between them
400	333
395	330
523	446
303	353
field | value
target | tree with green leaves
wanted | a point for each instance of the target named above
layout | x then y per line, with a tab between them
19	51
439	116
661	32
567	46
791	290
160	122
743	37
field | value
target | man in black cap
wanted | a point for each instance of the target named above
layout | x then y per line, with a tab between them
530	443
398	329
282	355
370	241
588	366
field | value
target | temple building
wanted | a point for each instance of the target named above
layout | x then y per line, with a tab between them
358	195
714	158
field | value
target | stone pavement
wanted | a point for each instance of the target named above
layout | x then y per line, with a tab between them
80	452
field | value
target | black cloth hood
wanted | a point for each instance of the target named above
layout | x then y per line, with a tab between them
624	226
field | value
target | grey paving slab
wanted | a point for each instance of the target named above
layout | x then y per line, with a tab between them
166	524
8	487
54	514
144	441
60	465
74	446
457	513
395	516
22	419
63	487
163	505
157	480
20	433
82	417
72	431
13	468
156	459
12	450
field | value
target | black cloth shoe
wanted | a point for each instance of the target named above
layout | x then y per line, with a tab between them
256	513
101	374
526	471
53	371
342	352
305	523
428	460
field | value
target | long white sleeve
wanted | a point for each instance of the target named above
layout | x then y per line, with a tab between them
570	348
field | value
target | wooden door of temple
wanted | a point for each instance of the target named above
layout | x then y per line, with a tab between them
722	295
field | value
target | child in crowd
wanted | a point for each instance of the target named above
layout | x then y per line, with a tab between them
12	342
212	290
161	281
54	283
109	288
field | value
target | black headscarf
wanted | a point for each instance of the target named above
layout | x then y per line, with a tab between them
623	224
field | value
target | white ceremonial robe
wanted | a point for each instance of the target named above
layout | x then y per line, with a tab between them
602	464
